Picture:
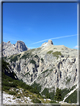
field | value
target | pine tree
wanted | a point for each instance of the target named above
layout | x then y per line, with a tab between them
58	96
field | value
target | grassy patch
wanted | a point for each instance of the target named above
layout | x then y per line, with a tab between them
72	98
56	54
49	52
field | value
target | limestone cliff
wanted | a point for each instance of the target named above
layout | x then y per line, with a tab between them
50	66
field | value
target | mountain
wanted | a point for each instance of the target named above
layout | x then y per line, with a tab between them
47	67
10	49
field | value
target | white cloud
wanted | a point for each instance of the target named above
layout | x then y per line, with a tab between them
77	47
55	38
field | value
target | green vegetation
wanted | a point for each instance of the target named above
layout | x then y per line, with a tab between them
27	73
45	71
56	54
5	65
58	95
8	83
68	80
32	61
36	100
47	94
53	101
14	58
49	52
36	86
26	55
36	56
42	60
18	97
72	98
12	92
64	92
5	58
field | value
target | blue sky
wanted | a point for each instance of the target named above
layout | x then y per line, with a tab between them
34	22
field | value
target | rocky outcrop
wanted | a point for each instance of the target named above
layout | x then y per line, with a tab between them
21	46
10	49
49	43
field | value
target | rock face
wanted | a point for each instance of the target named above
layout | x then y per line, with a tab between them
10	49
49	43
50	66
21	46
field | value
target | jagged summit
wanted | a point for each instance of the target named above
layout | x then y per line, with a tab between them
20	45
10	49
47	43
50	42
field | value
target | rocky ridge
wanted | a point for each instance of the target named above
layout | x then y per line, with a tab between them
50	66
10	49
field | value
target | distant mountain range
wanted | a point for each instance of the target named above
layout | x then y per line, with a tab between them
10	49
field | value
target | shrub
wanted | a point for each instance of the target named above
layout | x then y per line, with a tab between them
58	95
36	56
36	100
32	61
12	93
18	97
5	88
42	60
46	93
37	87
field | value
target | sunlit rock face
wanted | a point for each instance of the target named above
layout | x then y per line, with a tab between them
47	43
10	49
50	65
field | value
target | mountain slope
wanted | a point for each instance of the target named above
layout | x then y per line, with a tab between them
50	66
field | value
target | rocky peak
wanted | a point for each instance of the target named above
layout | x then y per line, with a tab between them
8	41
10	49
20	45
47	43
50	42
